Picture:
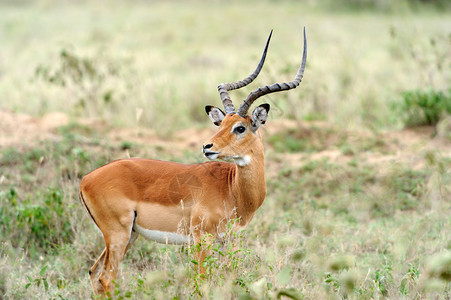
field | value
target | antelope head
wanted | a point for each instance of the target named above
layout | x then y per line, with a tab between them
238	138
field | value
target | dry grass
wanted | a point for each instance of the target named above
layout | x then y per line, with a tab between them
356	208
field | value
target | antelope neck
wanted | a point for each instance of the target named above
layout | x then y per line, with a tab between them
249	187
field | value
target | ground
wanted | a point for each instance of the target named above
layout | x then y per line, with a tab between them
379	191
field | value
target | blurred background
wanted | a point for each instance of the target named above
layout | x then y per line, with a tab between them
358	158
104	60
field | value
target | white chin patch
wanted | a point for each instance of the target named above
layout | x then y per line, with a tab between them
212	156
242	160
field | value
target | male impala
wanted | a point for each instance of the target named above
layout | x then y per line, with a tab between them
175	203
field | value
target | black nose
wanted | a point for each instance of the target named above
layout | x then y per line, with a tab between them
207	146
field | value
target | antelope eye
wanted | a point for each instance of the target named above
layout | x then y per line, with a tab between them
240	129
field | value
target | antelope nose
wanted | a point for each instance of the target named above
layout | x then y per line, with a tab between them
207	146
208	153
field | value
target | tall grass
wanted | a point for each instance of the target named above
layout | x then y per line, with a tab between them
352	229
370	224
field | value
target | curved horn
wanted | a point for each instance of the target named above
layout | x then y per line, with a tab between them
276	87
223	88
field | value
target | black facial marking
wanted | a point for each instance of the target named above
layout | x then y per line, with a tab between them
208	108
266	106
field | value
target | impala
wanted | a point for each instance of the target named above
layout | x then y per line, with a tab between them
175	203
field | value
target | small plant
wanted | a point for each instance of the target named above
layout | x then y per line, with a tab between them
409	280
38	280
383	278
228	261
118	294
331	283
424	107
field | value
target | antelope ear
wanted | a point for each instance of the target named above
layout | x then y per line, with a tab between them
259	116
216	114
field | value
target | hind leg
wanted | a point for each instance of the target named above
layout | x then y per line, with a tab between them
104	271
94	272
116	248
98	266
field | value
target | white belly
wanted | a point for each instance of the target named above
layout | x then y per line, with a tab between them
164	237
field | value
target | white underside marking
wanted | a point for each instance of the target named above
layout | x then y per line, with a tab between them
164	237
242	160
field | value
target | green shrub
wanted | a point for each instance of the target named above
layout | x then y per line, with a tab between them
37	224
424	107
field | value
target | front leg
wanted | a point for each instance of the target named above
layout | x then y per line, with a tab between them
202	244
204	238
204	230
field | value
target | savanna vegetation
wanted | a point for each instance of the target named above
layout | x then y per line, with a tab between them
358	158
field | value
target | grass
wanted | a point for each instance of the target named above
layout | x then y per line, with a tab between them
425	107
352	211
326	229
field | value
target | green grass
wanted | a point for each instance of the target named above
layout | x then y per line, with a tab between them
427	107
326	229
351	226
